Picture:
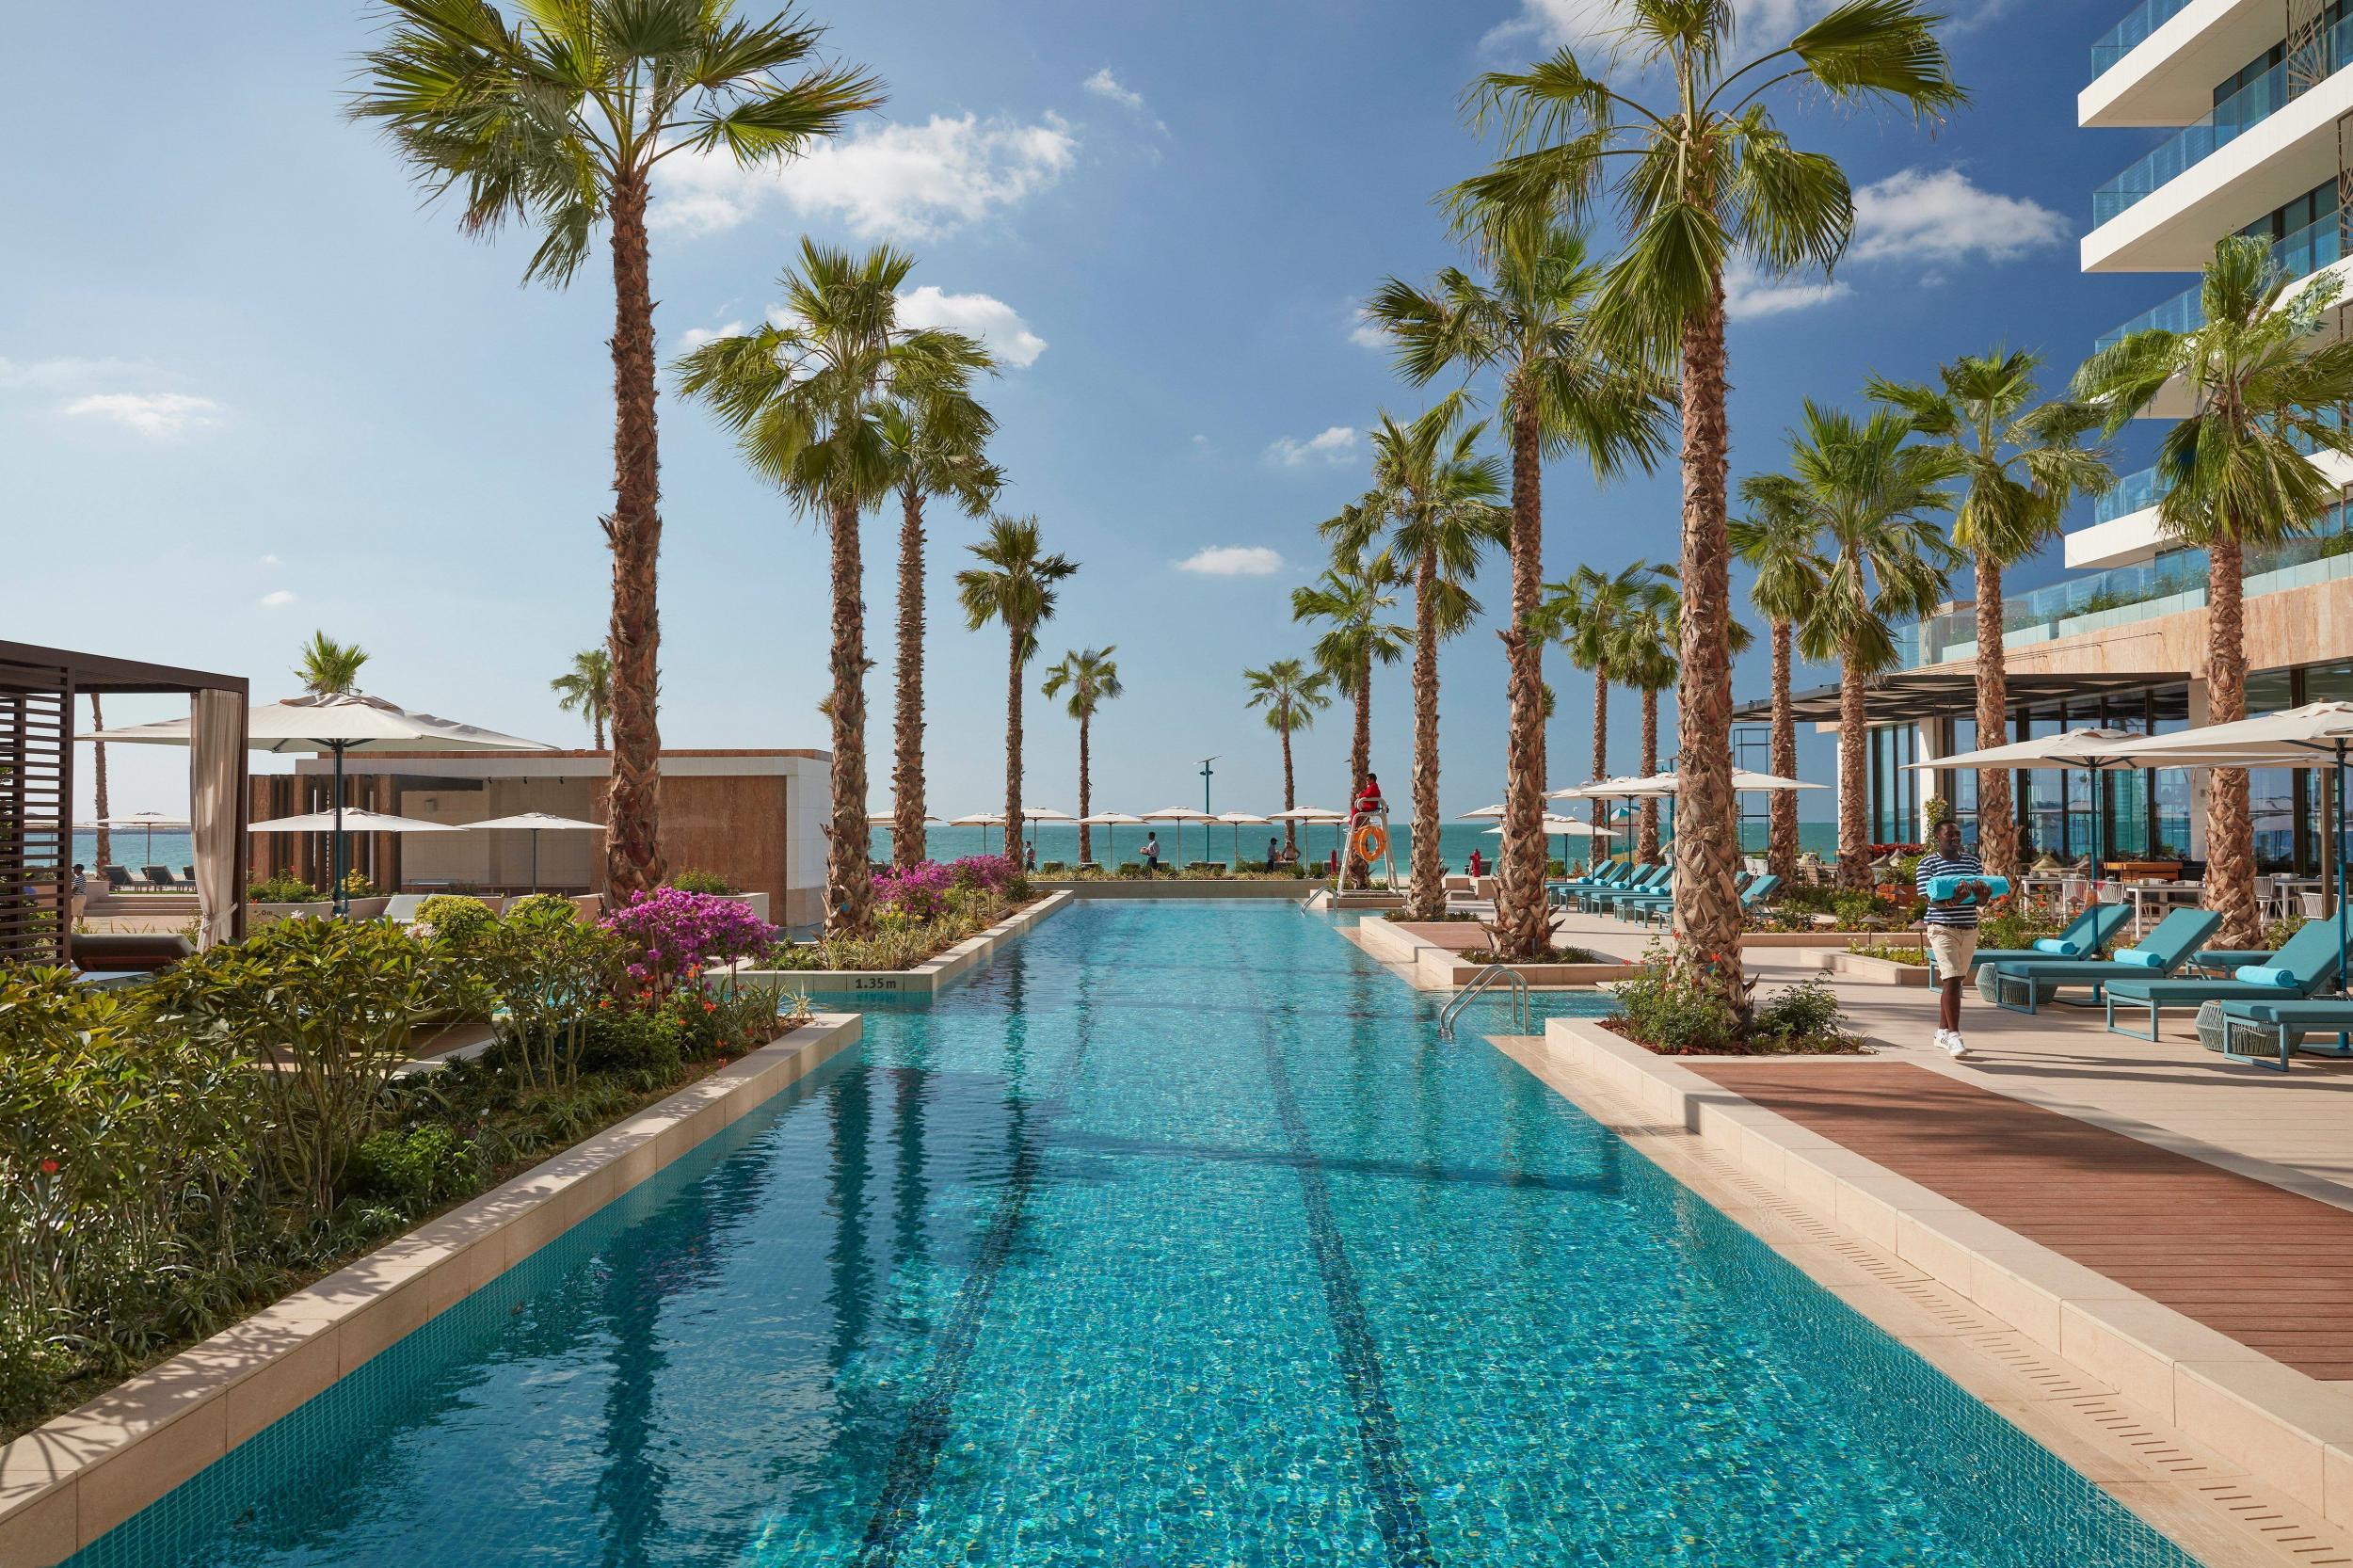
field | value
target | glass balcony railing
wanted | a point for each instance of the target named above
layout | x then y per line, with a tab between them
2301	254
2173	582
2133	493
2138	23
2253	104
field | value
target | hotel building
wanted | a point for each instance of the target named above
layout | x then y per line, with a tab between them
2255	101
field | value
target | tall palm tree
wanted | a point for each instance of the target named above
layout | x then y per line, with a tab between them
1587	613
587	689
1013	586
1525	321
103	796
2021	464
807	395
1704	176
934	433
1352	598
1780	546
1292	695
556	120
2263	393
327	667
1868	492
1436	504
1091	678
1648	640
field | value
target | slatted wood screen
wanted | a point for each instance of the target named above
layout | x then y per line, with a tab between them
36	812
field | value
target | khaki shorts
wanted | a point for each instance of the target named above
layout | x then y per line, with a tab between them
1952	946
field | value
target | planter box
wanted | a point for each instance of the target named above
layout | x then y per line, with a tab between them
1439	970
1860	965
1819	938
263	914
924	979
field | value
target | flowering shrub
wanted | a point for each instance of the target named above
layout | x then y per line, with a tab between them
672	933
919	891
990	873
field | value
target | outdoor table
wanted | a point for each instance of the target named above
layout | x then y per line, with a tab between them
2163	894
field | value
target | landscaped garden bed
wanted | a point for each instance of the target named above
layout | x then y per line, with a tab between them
933	920
1679	1003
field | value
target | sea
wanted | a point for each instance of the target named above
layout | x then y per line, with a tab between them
1059	841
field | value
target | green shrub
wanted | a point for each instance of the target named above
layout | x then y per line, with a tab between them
1677	1007
701	882
1556	868
282	890
1055	868
542	906
415	1168
551	976
1803	1017
626	1041
356	884
1130	871
455	918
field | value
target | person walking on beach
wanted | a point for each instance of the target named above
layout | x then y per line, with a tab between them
1952	926
1152	852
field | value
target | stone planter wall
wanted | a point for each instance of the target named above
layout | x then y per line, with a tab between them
922	981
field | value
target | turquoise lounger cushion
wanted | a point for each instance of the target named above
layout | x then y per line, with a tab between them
2058	947
2259	975
2140	960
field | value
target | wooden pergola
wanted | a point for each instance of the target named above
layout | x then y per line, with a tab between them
38	691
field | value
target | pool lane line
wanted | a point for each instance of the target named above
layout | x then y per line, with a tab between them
916	1459
1395	1500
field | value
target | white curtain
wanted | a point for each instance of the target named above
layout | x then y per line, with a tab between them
217	740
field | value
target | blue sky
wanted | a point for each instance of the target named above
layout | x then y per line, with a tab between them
250	386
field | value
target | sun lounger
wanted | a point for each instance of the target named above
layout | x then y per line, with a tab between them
1751	896
2021	983
402	910
119	880
2085	935
2283	1025
160	876
2307	962
2224	962
1616	874
1661	896
1651	878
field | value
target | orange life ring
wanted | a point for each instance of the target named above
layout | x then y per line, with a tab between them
1371	842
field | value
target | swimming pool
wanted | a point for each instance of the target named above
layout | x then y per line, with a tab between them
1171	1237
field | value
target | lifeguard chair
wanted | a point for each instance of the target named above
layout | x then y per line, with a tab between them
1367	842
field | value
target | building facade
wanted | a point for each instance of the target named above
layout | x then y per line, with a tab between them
2254	100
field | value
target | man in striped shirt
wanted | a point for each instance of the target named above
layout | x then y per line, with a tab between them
1952	926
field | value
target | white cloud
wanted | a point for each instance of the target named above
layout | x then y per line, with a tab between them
156	415
1584	25
1364	332
19	374
979	316
1937	216
1335	445
695	337
274	598
905	182
1104	85
269	560
1750	292
1233	560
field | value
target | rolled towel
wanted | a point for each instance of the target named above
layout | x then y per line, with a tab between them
2053	945
1943	888
2138	959
2261	974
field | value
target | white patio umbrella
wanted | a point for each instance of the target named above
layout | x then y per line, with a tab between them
1237	821
1309	816
148	822
352	820
2094	750
1180	815
334	723
1111	822
536	822
979	819
1482	814
1033	815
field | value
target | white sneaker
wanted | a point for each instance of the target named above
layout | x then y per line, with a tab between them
1955	1044
1944	1039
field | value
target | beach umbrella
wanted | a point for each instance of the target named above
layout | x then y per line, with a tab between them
1310	816
1180	815
1111	822
1033	815
979	819
148	822
1482	814
1237	821
2094	750
536	822
349	819
332	724
885	819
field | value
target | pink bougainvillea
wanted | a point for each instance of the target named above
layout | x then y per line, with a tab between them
673	933
921	891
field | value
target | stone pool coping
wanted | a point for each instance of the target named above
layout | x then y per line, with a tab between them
1431	966
1295	888
923	979
2292	1430
67	1482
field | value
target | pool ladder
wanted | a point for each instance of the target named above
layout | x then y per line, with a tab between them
1470	993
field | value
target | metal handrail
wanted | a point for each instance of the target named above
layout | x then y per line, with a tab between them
1521	1012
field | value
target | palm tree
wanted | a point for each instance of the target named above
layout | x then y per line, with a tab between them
1648	639
327	667
1703	177
807	395
1867	491
103	798
1013	586
1352	598
1780	547
2263	394
1292	695
1092	679
1435	502
1561	390
1587	613
587	689
2021	464
934	433
557	121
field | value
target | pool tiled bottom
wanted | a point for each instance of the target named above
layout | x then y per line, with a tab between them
1175	1237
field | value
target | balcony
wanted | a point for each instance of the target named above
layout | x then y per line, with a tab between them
2138	23
2222	125
2299	255
2133	492
2173	583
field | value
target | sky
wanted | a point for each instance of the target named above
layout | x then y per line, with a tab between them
252	385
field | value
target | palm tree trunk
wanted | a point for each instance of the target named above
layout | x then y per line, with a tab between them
1646	833
1854	802
849	885
1360	760
104	797
1086	841
1522	924
1013	744
1707	905
1426	899
595	728
632	844
1780	844
1600	809
1290	793
2230	825
906	762
1997	819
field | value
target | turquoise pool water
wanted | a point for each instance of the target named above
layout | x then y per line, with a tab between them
1173	1238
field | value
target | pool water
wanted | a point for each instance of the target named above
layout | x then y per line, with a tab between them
1174	1237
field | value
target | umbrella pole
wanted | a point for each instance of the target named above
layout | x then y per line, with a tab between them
2340	869
335	844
